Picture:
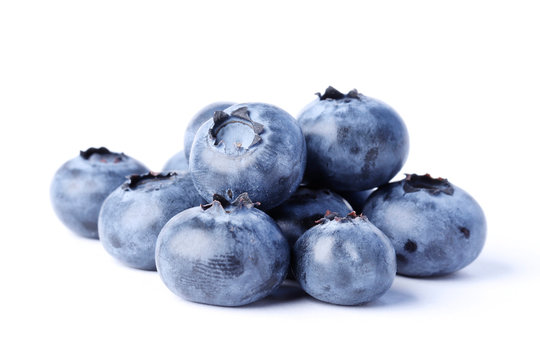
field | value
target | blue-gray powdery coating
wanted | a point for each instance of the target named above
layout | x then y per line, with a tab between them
255	148
177	162
198	119
353	143
133	215
433	232
80	186
345	262
222	258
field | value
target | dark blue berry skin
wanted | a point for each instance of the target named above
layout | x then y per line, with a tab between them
353	142
357	199
255	148
133	215
198	119
81	185
299	213
228	256
436	228
344	261
177	162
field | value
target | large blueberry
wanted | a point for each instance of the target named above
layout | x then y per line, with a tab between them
81	185
345	261
353	142
132	215
198	119
222	254
300	212
436	228
177	162
255	148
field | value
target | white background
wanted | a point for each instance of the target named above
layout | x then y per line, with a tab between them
130	74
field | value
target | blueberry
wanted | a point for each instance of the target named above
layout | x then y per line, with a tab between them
353	142
436	228
177	162
345	261
300	212
357	199
81	185
255	148
133	215
200	118
222	254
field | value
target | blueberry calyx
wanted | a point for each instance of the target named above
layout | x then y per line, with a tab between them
136	180
333	94
104	155
91	151
215	206
332	216
238	116
242	201
434	186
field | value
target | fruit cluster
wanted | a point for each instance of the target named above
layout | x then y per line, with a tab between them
258	195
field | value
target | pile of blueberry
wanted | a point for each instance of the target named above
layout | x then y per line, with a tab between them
258	196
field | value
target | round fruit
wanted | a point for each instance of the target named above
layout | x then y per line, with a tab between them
436	228
81	185
353	142
133	215
222	254
255	148
345	261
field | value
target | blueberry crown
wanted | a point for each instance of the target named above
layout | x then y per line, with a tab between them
91	151
221	202
332	216
136	180
104	155
433	186
333	94
221	118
